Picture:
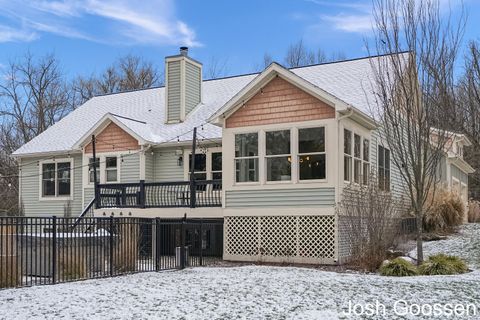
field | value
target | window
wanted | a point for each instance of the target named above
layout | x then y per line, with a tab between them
90	170
383	168
278	157
357	162
366	161
347	158
56	179
111	171
216	167
311	153
200	166
246	157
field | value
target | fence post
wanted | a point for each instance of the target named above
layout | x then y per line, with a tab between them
201	242
142	194
54	249
157	244
111	245
182	246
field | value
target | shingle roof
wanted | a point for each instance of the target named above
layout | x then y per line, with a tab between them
350	81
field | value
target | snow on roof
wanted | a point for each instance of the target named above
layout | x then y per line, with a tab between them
143	111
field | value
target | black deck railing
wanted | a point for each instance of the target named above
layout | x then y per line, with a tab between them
47	250
177	194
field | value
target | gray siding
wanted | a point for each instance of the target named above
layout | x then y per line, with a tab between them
130	168
166	167
275	198
149	167
193	82
459	174
30	190
397	184
88	194
173	90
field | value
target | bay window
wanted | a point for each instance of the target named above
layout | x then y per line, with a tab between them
56	179
347	157
311	153
246	157
383	168
278	156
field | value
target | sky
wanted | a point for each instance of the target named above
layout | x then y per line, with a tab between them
88	35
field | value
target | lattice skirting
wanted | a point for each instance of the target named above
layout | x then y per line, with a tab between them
290	239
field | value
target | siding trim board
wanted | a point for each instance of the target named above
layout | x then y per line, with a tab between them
280	198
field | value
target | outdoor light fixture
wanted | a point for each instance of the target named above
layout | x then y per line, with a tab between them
180	161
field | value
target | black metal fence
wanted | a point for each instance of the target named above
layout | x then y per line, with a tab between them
207	193
35	251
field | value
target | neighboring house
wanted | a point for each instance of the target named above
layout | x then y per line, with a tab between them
274	151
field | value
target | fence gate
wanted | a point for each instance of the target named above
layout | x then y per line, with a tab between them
48	250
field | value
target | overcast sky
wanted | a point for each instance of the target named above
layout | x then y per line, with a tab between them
88	35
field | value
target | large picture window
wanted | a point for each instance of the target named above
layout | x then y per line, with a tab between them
278	156
311	153
246	157
383	168
347	155
56	179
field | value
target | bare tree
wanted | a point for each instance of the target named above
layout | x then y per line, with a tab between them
33	96
413	89
467	116
127	73
369	220
298	55
215	68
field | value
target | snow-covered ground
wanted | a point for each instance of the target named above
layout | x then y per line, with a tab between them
465	244
249	292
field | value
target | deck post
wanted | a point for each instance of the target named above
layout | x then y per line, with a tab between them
193	191
95	180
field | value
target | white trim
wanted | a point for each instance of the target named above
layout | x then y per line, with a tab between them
208	164
40	180
102	169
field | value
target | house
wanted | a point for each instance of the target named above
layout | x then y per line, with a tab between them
273	152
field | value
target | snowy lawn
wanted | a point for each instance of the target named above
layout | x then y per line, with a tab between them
465	244
250	292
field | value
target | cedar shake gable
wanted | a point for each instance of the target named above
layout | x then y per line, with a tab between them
113	138
279	101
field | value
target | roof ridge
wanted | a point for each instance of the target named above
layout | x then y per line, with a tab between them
256	73
350	60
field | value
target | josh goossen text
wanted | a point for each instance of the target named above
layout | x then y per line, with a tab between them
404	308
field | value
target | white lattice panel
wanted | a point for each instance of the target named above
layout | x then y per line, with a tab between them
302	239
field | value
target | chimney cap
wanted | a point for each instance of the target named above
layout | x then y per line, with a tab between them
184	51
